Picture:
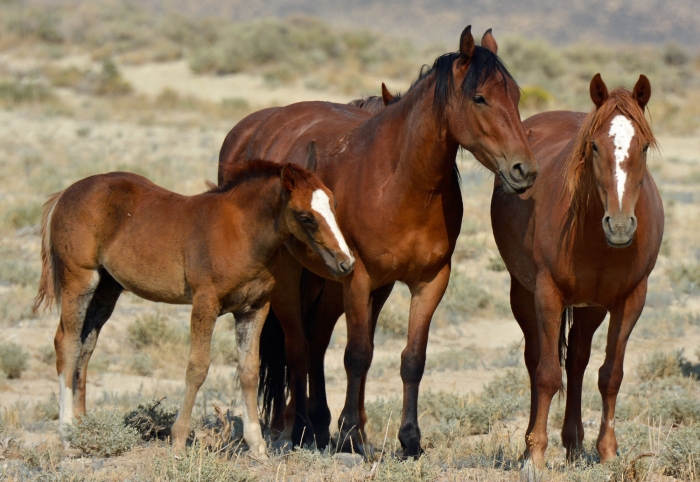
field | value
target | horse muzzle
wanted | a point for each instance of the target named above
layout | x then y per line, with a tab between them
619	229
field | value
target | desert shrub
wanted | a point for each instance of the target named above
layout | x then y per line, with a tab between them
464	297
674	400
661	364
207	466
685	276
153	329
47	354
16	92
102	433
496	264
224	348
16	270
48	409
110	81
680	456
152	420
534	97
13	359
392	322
142	364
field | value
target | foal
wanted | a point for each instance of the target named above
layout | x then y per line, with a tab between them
217	251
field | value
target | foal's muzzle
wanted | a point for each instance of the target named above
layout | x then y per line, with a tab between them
619	229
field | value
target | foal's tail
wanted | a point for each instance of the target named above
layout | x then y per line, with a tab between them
49	286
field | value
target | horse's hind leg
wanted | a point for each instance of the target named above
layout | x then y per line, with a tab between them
98	312
586	321
78	287
205	311
623	317
248	329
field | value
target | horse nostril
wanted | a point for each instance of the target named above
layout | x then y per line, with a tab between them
519	171
345	266
606	223
633	223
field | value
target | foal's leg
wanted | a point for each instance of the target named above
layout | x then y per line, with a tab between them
205	310
549	306
586	321
98	312
78	286
623	317
424	301
248	328
522	303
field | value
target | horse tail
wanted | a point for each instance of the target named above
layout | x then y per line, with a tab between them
49	285
567	318
273	383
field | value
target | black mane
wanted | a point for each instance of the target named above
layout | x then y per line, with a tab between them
483	65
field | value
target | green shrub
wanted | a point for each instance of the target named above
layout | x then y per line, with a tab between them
17	92
102	434
152	420
153	329
680	456
142	364
13	359
661	364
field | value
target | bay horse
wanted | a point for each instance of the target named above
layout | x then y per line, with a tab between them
400	209
580	243
217	251
374	103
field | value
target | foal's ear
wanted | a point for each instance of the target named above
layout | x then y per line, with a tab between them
599	92
466	47
287	177
311	158
489	43
387	97
642	91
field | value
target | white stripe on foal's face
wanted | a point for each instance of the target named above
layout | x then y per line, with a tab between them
321	203
622	132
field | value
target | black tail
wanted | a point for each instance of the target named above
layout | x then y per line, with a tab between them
273	383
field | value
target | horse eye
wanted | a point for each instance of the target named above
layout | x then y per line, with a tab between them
479	99
595	148
646	148
307	220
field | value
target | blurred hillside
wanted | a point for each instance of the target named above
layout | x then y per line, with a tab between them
600	21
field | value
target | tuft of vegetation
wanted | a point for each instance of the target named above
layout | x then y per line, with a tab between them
660	364
152	329
26	214
48	409
685	276
17	92
152	420
13	359
392	322
680	456
464	297
207	466
102	433
142	364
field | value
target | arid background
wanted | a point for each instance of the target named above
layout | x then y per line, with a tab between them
94	87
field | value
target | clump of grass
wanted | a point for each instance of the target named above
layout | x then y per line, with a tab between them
13	360
110	81
660	364
48	409
680	456
142	364
152	420
460	359
392	469
685	276
17	92
16	269
102	433
47	354
464	297
200	463
153	329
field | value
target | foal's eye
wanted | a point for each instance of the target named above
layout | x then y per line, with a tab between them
479	99
646	148
595	148
309	221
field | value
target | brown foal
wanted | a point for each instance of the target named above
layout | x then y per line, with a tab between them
579	244
218	251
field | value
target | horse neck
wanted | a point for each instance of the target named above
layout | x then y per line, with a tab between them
425	153
258	205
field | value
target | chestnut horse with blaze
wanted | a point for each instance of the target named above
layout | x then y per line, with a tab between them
580	243
400	209
218	251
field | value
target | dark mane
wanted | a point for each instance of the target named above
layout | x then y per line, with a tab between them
236	174
483	65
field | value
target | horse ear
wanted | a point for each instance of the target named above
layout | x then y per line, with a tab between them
642	91
387	97
599	92
287	177
466	46
489	43
311	159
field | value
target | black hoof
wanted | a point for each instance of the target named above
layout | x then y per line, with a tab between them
409	436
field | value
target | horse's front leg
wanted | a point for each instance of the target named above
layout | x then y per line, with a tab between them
548	377
424	300
358	358
623	317
248	328
586	321
205	310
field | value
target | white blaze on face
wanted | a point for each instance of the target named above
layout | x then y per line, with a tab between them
622	132
321	203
